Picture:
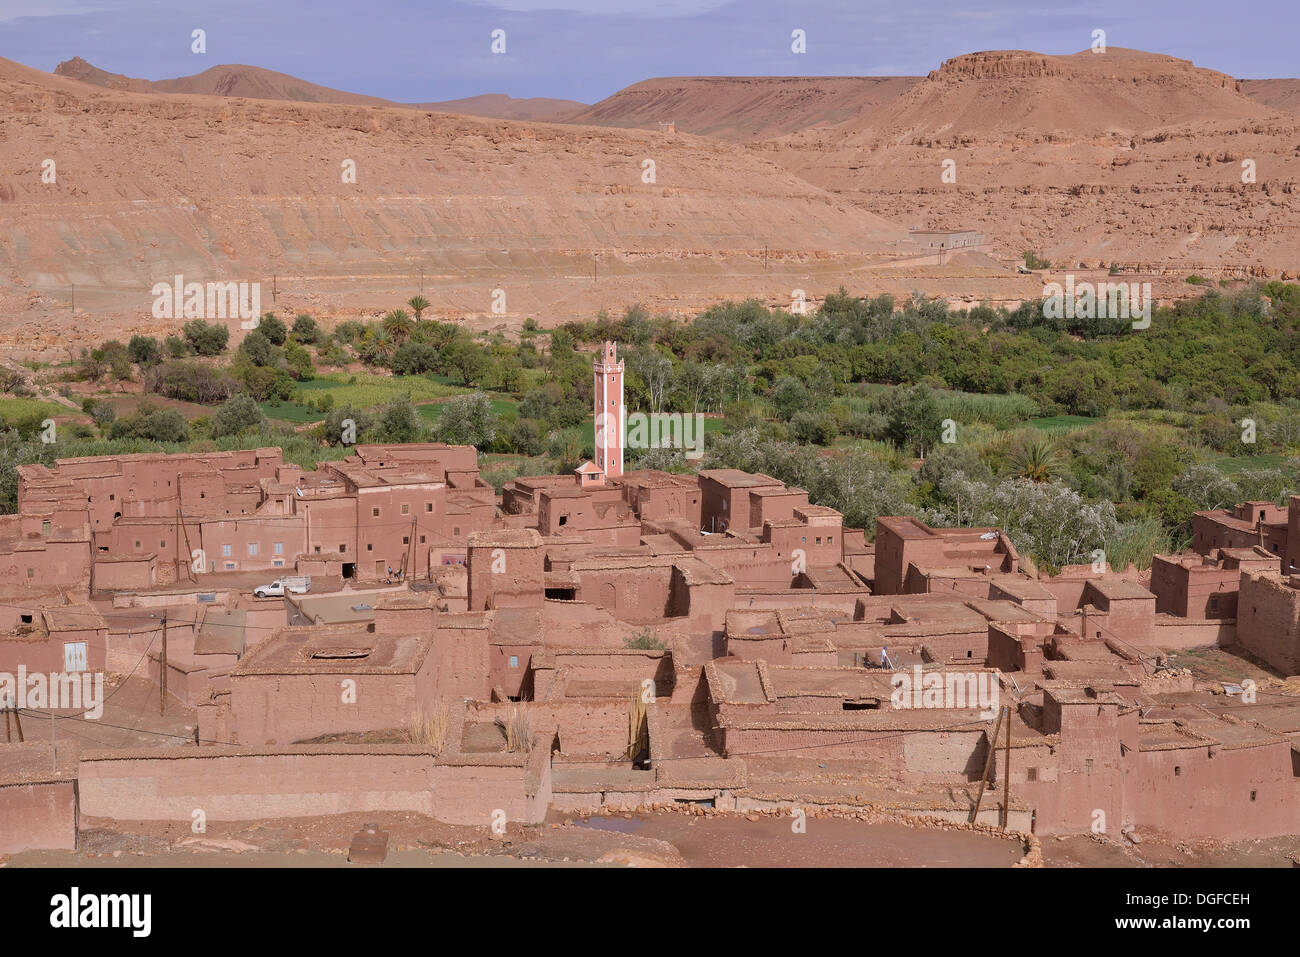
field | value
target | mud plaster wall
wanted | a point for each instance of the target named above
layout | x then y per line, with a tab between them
38	816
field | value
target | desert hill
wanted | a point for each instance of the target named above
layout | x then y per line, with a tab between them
1123	157
744	108
221	189
227	79
501	106
1280	94
235	79
1024	94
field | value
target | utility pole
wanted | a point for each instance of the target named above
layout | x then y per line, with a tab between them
162	671
988	768
275	287
54	748
8	707
1006	776
188	551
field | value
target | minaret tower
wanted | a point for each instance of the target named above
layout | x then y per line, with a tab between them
611	420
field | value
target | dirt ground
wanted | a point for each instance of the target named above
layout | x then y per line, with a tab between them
660	838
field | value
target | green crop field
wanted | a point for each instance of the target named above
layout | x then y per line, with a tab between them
14	409
370	390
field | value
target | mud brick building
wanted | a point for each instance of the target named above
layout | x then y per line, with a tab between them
630	636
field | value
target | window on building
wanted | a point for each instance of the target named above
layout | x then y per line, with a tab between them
45	527
1252	795
343	548
1177	771
252	549
421	539
369	547
406	539
406	510
31	573
428	506
374	512
514	661
1031	774
112	498
225	551
26	619
230	566
278	548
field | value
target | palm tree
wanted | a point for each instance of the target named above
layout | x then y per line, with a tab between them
1036	460
397	326
418	304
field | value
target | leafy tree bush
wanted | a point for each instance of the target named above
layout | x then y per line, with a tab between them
239	413
206	339
468	420
305	330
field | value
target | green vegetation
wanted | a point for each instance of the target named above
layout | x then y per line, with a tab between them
1073	434
643	641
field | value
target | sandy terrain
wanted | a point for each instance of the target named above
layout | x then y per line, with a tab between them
1125	157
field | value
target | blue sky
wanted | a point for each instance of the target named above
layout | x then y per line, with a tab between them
587	49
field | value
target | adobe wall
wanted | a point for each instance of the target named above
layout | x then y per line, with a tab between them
282	709
1237	794
67	563
41	815
240	784
884	749
1081	779
460	662
42	653
124	574
585	725
169	784
1177	633
953	756
1268	621
629	593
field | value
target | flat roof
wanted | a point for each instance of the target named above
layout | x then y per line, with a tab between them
335	649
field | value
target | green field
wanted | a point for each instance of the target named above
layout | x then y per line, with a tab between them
506	408
290	412
1242	463
370	390
1063	422
14	409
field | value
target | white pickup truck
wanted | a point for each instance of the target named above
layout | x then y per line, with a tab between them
278	588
